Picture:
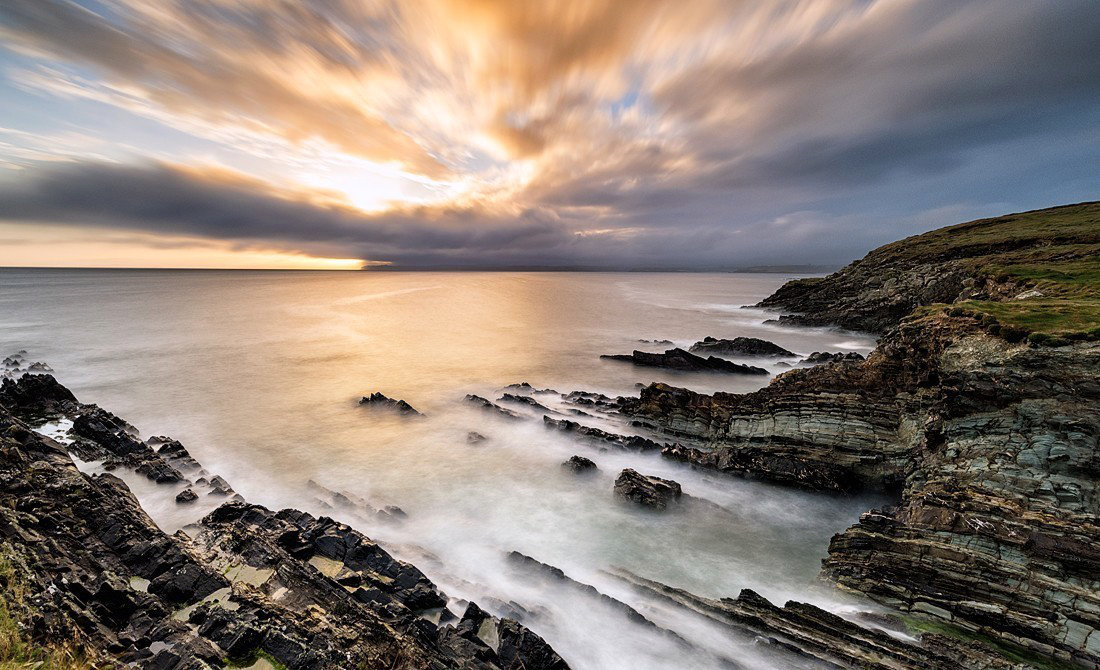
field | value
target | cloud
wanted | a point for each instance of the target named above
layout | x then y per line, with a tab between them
612	132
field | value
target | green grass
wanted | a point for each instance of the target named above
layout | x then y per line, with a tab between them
1026	231
1053	251
16	651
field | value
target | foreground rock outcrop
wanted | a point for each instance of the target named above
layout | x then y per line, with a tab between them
990	443
991	446
244	583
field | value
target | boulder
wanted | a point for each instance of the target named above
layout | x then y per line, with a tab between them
579	465
741	346
652	492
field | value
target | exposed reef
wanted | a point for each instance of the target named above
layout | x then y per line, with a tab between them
678	359
741	346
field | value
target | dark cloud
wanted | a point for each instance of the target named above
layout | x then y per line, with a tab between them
688	135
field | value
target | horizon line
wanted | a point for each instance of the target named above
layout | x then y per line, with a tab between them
757	269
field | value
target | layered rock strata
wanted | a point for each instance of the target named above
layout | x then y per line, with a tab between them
246	582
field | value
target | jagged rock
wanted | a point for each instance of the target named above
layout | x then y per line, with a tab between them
186	496
678	359
308	592
526	401
378	400
590	399
664	342
524	387
219	487
474	437
645	490
490	406
579	465
39	367
805	632
35	395
992	449
740	346
601	437
818	357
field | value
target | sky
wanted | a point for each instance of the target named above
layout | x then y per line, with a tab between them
617	134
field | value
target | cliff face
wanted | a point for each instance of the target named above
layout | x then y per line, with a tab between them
244	583
992	444
1053	252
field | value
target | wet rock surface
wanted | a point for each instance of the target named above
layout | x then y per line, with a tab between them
381	401
819	357
652	492
678	359
579	465
307	592
991	448
740	346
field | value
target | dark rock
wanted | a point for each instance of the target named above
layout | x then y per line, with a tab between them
664	342
579	465
379	400
39	367
678	359
601	437
652	492
474	437
527	401
186	496
490	406
35	395
819	357
740	346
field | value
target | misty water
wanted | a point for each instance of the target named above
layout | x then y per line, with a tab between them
259	373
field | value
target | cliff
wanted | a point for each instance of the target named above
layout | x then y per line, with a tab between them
985	427
1032	272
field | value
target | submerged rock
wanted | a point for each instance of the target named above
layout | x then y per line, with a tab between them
379	400
490	406
186	496
474	437
527	401
646	490
601	437
741	346
579	465
678	359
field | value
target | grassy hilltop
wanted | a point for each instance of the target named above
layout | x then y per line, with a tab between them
1033	274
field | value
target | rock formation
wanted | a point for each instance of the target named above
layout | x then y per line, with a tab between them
245	583
646	490
991	444
678	359
579	465
378	400
740	346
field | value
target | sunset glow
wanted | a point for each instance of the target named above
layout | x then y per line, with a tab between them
497	133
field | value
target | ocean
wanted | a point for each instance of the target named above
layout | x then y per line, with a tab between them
259	374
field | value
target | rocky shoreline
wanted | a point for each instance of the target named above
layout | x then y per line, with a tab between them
243	587
989	440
